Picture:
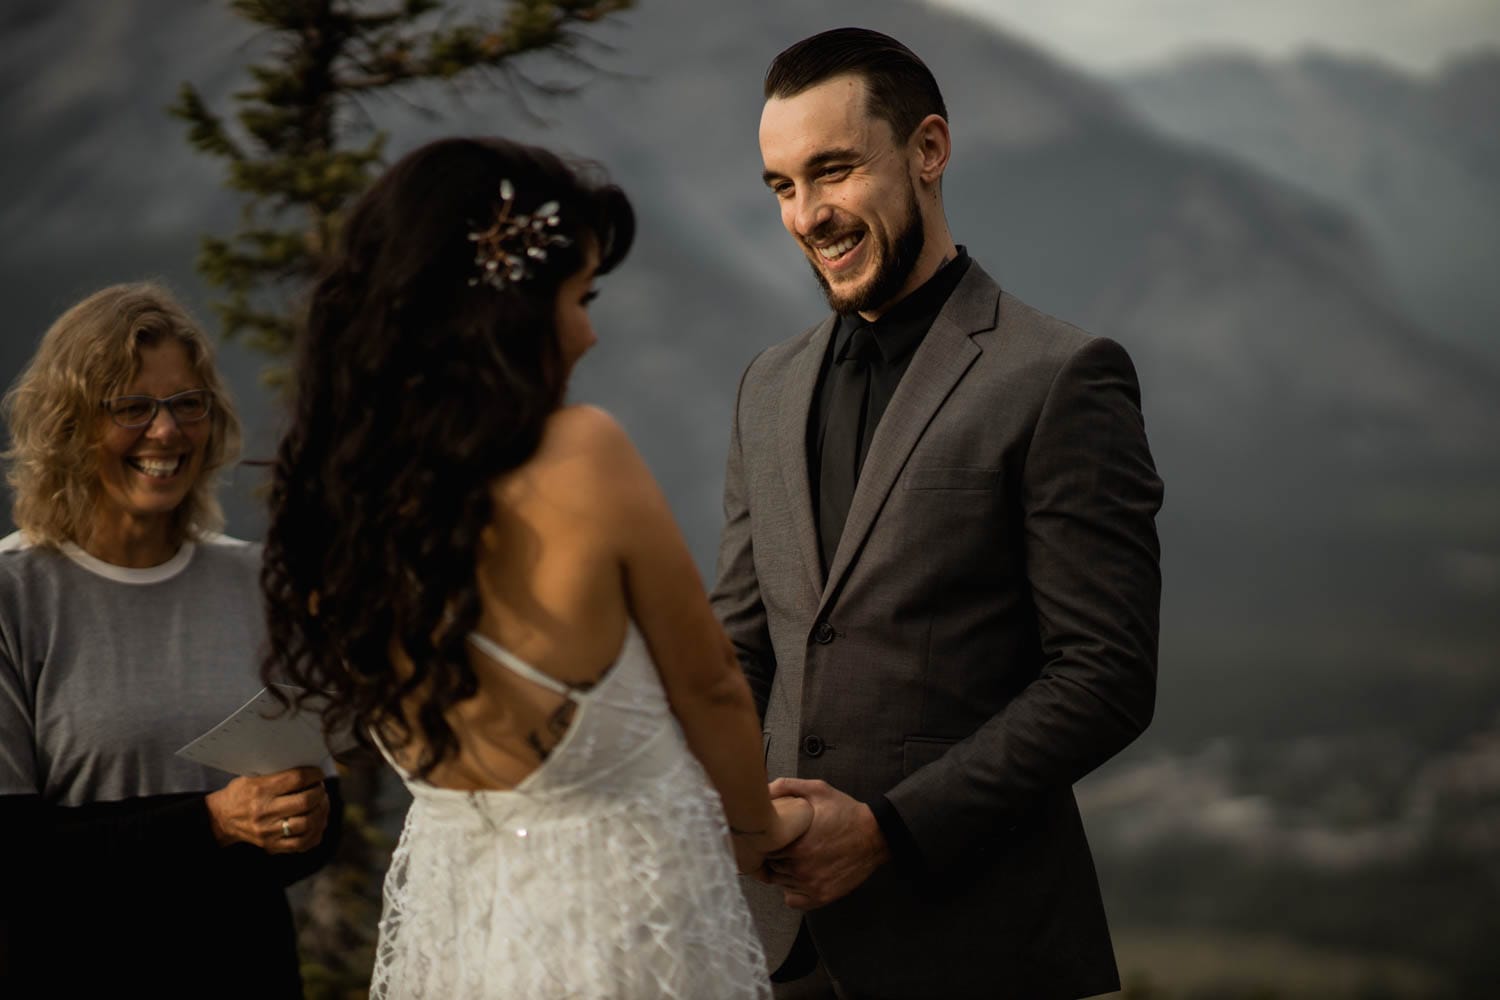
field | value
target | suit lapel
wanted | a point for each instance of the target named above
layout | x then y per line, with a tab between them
944	355
796	409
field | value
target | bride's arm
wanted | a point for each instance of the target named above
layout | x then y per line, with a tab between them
698	666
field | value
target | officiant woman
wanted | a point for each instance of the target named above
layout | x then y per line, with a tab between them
128	627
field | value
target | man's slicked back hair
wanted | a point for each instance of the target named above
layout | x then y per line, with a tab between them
902	90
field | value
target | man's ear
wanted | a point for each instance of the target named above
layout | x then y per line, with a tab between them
931	145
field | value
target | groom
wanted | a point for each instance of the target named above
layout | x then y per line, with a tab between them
939	569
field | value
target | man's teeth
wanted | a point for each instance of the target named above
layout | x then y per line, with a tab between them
836	250
161	468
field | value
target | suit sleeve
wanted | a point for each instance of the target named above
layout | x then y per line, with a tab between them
736	594
1089	497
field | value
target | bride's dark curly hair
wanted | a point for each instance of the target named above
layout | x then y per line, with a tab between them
415	387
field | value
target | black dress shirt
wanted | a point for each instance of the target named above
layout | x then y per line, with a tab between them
897	335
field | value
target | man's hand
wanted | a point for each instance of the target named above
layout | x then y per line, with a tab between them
841	848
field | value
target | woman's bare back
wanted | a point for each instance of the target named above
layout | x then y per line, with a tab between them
551	589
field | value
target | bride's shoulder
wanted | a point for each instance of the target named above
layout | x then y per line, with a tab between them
585	447
580	437
580	426
588	471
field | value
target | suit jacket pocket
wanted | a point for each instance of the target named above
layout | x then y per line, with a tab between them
919	751
953	477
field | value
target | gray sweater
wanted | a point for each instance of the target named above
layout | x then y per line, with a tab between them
105	671
113	874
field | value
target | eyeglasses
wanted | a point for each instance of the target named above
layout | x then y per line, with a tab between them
139	411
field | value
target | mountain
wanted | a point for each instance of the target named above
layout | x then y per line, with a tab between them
1330	465
1331	533
1415	159
1328	461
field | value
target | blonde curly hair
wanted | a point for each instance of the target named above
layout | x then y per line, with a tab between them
92	352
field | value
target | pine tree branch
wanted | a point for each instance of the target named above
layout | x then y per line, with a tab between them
445	53
205	129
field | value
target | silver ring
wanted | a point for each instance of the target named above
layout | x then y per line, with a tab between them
286	829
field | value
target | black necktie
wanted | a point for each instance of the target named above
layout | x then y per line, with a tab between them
842	453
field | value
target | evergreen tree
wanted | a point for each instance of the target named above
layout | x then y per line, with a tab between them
302	151
293	158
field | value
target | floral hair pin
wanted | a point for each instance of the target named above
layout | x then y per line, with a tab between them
504	252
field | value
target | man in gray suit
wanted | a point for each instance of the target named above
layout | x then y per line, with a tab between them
939	568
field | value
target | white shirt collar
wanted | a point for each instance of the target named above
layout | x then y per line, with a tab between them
127	574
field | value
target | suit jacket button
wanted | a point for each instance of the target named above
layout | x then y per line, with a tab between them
823	633
812	746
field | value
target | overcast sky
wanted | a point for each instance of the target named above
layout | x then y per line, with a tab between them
1108	35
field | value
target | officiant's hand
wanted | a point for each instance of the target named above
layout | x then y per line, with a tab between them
841	848
282	813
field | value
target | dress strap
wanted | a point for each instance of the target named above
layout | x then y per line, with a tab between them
390	758
506	658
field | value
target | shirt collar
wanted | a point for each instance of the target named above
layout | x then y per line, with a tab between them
902	327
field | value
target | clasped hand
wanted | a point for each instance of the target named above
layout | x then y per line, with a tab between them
790	817
282	813
841	847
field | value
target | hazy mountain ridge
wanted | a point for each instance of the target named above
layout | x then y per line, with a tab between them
1417	161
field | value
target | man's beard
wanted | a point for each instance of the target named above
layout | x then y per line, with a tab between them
893	267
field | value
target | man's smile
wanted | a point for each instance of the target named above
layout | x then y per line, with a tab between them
839	253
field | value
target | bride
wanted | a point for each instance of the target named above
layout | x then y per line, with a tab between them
490	583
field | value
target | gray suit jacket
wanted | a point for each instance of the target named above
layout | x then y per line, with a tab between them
985	637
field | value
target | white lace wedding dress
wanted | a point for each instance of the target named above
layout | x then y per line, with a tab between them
605	874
